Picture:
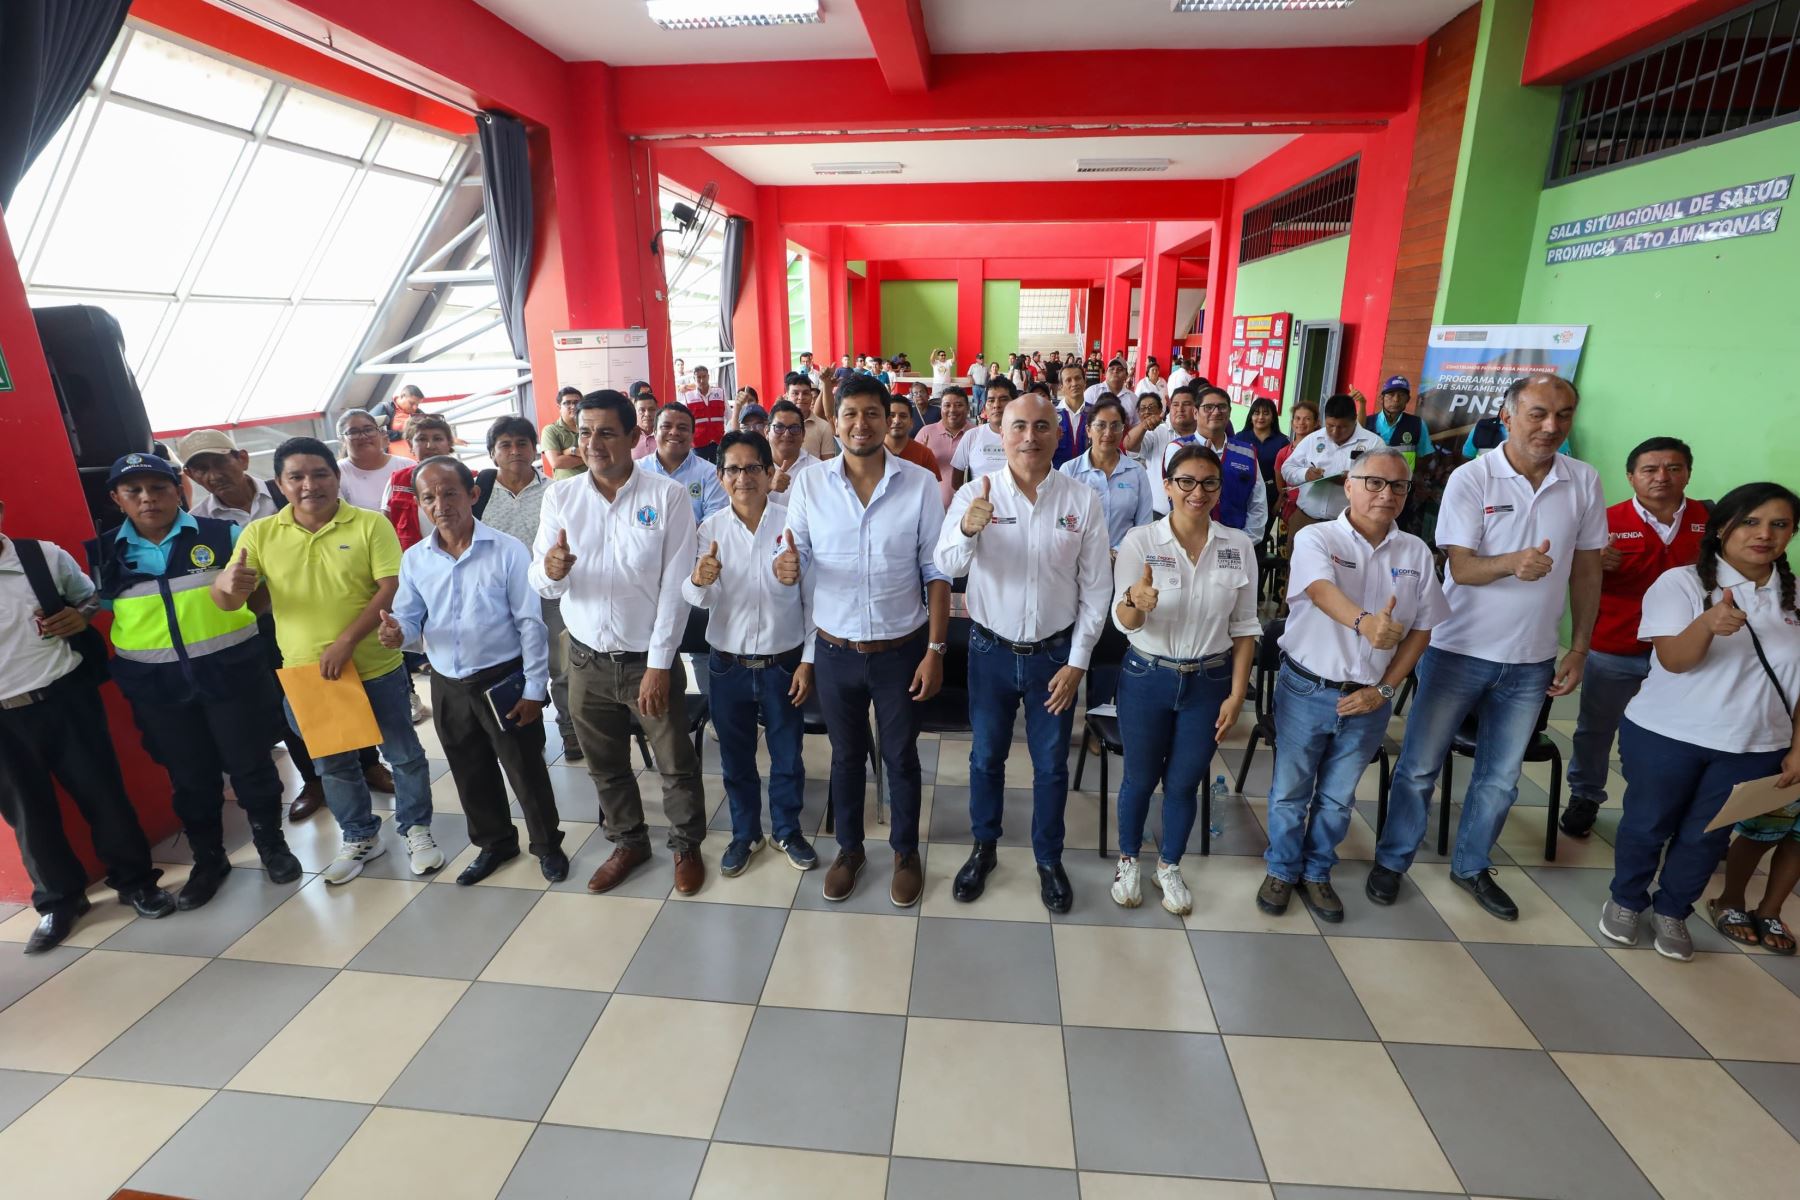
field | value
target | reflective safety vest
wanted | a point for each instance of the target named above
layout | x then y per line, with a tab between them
170	640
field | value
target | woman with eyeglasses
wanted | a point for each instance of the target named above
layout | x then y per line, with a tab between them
366	465
1186	601
1122	482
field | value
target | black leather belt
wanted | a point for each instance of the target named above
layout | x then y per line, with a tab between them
1186	666
618	656
487	676
1022	648
788	660
1336	685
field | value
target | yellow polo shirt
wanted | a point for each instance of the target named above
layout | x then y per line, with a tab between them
319	582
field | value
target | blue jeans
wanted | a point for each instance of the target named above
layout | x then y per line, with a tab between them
1168	722
1506	698
738	695
1319	756
1608	682
1673	789
998	681
848	684
347	795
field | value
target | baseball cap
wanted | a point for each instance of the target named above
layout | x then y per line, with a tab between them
141	464
205	441
755	411
1398	383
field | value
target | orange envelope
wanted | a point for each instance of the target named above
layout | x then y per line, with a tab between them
333	714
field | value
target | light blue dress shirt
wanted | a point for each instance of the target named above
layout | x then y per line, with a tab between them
699	477
152	558
476	611
1124	495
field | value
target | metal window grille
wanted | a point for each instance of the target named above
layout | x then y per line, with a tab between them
1719	80
1311	211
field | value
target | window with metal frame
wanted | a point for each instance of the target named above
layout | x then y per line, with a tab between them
1722	79
1310	211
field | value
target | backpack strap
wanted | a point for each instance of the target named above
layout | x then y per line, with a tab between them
485	481
37	574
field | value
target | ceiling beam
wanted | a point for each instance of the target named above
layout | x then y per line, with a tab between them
966	203
897	35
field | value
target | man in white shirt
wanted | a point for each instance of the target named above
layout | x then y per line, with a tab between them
614	545
1116	382
1158	445
1363	597
1035	546
1179	374
762	655
1243	501
978	378
809	370
821	437
675	459
981	451
787	442
1522	530
864	527
1324	458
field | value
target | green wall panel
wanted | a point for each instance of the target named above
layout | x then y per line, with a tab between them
999	320
917	315
1308	282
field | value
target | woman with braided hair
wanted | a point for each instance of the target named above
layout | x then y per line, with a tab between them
1717	710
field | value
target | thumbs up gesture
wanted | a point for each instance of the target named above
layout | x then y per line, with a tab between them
1142	594
1380	628
779	482
389	632
239	578
1610	558
1533	563
561	559
1725	618
787	563
980	510
706	571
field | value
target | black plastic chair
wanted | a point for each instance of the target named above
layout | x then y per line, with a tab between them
694	649
1102	688
1540	749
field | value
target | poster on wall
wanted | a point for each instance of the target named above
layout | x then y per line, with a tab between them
1468	368
1721	214
1256	368
593	359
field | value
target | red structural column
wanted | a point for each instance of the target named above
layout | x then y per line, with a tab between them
837	296
868	316
1115	323
1216	322
818	306
761	328
1156	316
970	309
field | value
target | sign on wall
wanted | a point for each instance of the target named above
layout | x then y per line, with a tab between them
593	359
1719	215
5	379
1256	368
1469	367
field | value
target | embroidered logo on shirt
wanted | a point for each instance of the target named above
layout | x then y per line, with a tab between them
201	556
694	490
1069	522
1491	509
1343	562
1399	573
646	516
1231	560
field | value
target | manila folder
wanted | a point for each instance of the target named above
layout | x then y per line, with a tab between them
333	714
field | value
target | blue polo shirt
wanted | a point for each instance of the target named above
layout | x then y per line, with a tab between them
699	477
152	558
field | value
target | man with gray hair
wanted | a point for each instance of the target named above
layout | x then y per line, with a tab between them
1522	530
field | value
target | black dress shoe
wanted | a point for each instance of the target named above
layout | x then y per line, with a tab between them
203	882
971	881
554	865
1489	894
56	925
1383	886
151	902
1578	818
485	864
1053	886
279	861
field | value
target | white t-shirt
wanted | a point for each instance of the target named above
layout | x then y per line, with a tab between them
1727	701
979	452
365	489
942	375
1146	385
1491	509
977	374
1177	377
1400	568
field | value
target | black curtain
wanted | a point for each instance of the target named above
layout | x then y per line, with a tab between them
506	191
731	285
50	51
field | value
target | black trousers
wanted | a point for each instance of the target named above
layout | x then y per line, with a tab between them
849	684
286	731
480	749
197	740
64	739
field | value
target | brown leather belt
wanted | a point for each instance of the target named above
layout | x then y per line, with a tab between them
831	639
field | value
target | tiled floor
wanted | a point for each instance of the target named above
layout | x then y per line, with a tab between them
404	1037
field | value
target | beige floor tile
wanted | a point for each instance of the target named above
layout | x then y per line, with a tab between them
607	930
1123	978
314	841
984	1091
1725	1145
86	1138
322	925
1096	1185
1522	837
401	1152
1360	1127
106	918
855	962
74	1014
734	1172
1542	922
654	1066
1224	889
769	881
1012	890
1433	992
522	872
1733	1007
353	1040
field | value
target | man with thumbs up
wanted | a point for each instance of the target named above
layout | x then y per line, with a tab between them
1523	531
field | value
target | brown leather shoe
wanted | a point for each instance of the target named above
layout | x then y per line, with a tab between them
840	880
379	778
613	871
909	880
307	802
690	872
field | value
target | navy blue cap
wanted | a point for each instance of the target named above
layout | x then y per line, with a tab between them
1398	383
141	464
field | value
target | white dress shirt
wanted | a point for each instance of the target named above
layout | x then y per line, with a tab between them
624	590
1127	399
1170	442
1665	532
261	505
29	661
1201	605
1038	568
750	613
871	564
1400	568
1324	499
802	461
980	452
1146	385
475	611
1179	377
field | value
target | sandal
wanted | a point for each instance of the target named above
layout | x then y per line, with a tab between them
1770	928
1734	923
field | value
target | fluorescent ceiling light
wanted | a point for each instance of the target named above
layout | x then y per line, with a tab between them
731	14
1120	166
1192	6
858	168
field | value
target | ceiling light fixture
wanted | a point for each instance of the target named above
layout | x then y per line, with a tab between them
732	14
1120	166
1200	6
858	168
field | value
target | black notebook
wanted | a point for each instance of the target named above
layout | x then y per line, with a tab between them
504	695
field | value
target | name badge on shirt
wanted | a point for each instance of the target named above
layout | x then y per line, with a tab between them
1230	559
1165	570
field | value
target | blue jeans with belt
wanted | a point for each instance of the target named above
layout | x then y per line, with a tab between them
999	680
1608	682
1168	721
738	696
1319	756
346	793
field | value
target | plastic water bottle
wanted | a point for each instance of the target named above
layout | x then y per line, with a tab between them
1220	795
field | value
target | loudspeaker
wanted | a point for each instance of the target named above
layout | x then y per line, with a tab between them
102	409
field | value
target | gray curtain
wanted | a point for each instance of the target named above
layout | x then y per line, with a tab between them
506	191
731	286
49	53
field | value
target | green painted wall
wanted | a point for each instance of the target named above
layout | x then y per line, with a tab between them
917	315
1308	282
999	319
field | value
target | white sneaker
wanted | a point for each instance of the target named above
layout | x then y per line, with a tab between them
1125	890
1174	889
352	856
419	711
425	855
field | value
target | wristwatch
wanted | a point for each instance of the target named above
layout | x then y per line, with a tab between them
1386	690
940	648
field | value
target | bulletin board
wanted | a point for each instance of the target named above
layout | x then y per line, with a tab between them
1256	367
592	359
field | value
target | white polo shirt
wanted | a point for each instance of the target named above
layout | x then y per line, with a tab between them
979	453
1323	500
749	612
1038	568
27	660
1400	568
1127	399
1727	701
1491	509
1200	605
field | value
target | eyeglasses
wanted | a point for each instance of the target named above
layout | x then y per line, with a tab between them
748	471
1377	484
1215	408
362	431
1187	483
785	428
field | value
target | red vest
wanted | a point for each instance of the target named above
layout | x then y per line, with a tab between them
403	507
1643	559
